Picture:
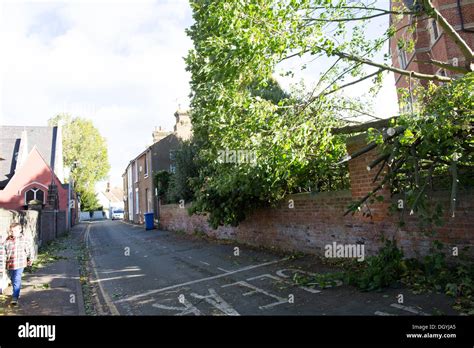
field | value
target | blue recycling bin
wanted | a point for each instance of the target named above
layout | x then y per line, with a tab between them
149	223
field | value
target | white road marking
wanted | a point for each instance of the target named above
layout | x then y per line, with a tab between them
311	290
207	264
115	278
281	273
248	268
106	297
187	309
223	270
408	309
255	290
384	314
215	300
122	270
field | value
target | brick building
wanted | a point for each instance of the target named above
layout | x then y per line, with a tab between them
33	169
139	190
431	43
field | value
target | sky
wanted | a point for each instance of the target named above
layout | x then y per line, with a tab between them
119	63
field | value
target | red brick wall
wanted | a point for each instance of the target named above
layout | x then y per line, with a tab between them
444	49
317	219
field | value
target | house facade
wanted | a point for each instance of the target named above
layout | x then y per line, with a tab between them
140	193
431	43
33	169
111	199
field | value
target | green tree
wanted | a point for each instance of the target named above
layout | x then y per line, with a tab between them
186	171
237	46
162	181
89	200
85	153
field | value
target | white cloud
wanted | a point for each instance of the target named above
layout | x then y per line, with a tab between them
119	63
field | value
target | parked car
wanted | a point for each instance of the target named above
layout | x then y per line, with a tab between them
117	215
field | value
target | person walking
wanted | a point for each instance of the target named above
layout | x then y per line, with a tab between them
18	255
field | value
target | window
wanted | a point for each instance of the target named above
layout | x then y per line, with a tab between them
137	199
136	171
34	194
148	200
402	58
130	179
433	30
442	72
172	158
146	165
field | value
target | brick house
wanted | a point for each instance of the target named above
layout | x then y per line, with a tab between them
140	193
431	43
33	169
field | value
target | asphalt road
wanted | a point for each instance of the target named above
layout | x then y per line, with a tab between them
156	272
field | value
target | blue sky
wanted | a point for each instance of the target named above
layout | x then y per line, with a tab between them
119	63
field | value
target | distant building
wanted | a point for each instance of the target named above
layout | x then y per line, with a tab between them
431	43
111	199
140	193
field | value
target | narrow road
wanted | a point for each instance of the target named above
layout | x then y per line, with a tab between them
156	272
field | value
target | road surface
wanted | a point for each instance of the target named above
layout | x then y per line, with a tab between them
138	272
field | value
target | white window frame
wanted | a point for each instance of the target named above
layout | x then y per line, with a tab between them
35	190
432	27
402	58
146	166
137	201
136	171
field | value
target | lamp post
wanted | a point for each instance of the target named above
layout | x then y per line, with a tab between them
69	192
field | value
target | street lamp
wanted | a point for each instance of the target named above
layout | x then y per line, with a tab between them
74	165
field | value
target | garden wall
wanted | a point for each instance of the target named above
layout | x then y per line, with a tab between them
317	219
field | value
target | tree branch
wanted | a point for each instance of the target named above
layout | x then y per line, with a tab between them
443	65
365	8
351	83
387	67
344	19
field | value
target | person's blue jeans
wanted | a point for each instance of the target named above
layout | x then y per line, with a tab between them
15	276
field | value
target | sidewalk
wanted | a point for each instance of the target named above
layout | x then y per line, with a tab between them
55	288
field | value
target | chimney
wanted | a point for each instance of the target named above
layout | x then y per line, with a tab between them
183	126
108	187
159	134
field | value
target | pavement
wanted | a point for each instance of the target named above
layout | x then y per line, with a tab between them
55	288
138	272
